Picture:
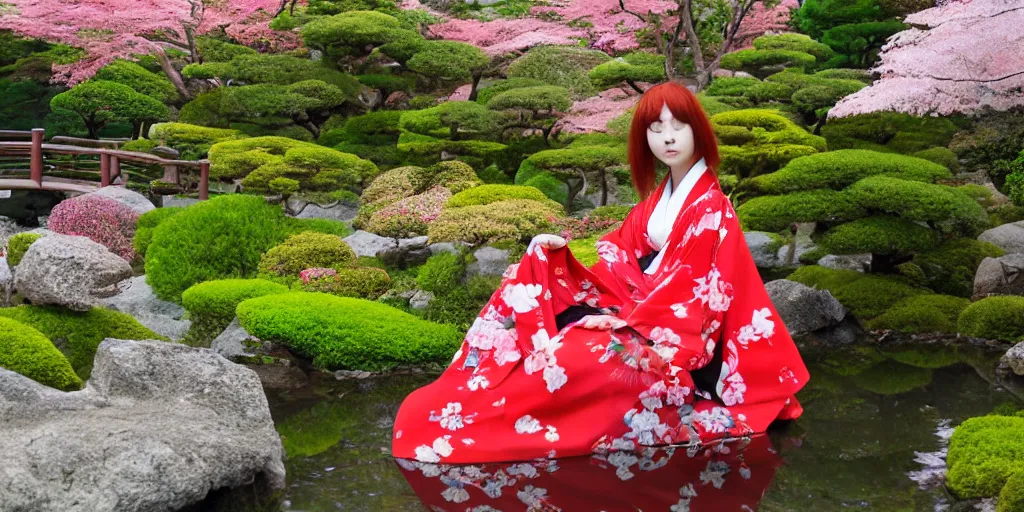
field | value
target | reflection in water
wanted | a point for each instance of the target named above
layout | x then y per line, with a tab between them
724	476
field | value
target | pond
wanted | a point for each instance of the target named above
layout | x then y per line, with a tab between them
874	422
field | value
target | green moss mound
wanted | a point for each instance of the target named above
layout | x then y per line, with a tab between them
865	295
487	194
18	245
996	317
147	224
348	333
842	168
306	250
211	304
985	453
922	314
78	334
27	351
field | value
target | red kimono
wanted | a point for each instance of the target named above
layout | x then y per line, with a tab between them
519	388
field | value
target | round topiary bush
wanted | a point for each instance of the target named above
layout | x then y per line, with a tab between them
305	250
216	239
104	221
927	313
211	305
487	194
985	453
999	317
347	333
515	220
409	217
26	351
359	282
147	224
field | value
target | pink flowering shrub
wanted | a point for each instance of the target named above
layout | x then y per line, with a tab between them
571	228
104	221
362	282
409	217
314	274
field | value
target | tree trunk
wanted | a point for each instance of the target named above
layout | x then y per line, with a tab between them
635	86
173	75
476	82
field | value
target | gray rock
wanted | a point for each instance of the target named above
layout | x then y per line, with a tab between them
1003	275
158	427
1014	358
858	262
171	200
804	309
8	228
130	198
279	376
6	283
490	261
69	271
365	243
446	247
803	244
1009	237
421	300
760	245
338	211
138	300
411	244
166	152
230	342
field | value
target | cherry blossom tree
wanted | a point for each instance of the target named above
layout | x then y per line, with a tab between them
960	57
763	20
111	29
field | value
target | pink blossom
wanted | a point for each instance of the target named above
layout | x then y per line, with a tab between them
593	114
965	56
316	274
104	221
760	21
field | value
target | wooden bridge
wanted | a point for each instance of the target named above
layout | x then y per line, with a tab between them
61	157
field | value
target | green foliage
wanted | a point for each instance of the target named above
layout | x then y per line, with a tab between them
759	141
211	304
940	155
452	119
143	81
516	220
98	102
147	223
996	317
985	456
950	267
26	351
632	67
585	249
379	127
216	239
18	245
892	378
756	61
347	333
795	42
454	175
139	145
565	66
991	141
448	60
192	142
269	68
859	43
349	34
305	250
537	98
921	314
775	213
880	235
941	205
215	50
487	194
78	334
359	282
888	132
816	16
484	94
442	273
865	295
841	168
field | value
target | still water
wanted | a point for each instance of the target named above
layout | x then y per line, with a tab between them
875	423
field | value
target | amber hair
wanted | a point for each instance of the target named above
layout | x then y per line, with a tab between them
685	107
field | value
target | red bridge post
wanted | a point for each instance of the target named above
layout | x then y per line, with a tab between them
104	170
204	180
36	165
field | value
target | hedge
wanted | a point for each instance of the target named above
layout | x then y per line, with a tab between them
26	351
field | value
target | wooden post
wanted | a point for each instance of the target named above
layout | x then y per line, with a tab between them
204	180
104	170
115	167
36	166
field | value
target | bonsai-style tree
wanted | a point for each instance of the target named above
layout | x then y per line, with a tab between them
98	102
454	127
630	68
580	167
537	108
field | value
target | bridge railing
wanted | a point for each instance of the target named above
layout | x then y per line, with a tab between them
17	146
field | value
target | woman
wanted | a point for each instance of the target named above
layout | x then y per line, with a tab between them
669	338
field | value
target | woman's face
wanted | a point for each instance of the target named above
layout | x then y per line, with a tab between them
670	139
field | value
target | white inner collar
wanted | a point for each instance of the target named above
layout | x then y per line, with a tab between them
659	226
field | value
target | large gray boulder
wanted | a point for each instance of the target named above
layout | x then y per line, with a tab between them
128	197
804	309
136	298
1014	358
1002	276
760	245
365	243
158	427
1008	237
69	271
490	261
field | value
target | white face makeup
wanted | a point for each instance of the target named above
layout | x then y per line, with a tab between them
670	139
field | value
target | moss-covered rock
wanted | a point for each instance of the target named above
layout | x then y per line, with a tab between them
26	351
348	333
996	317
927	313
78	334
985	453
865	295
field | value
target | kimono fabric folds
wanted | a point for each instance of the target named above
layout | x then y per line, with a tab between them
521	387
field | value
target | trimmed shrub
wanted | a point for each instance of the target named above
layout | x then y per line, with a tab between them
78	334
879	235
305	250
453	175
996	317
26	351
775	213
147	224
985	455
216	239
105	221
565	66
409	217
487	194
347	333
192	141
211	304
129	73
632	67
865	295
517	220
942	205
842	168
359	282
395	184
18	245
442	273
485	94
928	313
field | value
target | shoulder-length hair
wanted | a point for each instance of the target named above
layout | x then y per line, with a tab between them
684	106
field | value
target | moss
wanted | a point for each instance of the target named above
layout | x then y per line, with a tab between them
892	378
147	224
347	333
565	66
18	245
442	273
947	207
27	351
865	295
211	304
487	194
192	141
879	235
305	250
950	267
78	334
842	168
360	282
1011	498
996	317
775	213
585	249
928	313
984	454
517	220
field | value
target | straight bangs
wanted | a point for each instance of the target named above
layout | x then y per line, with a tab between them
684	106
